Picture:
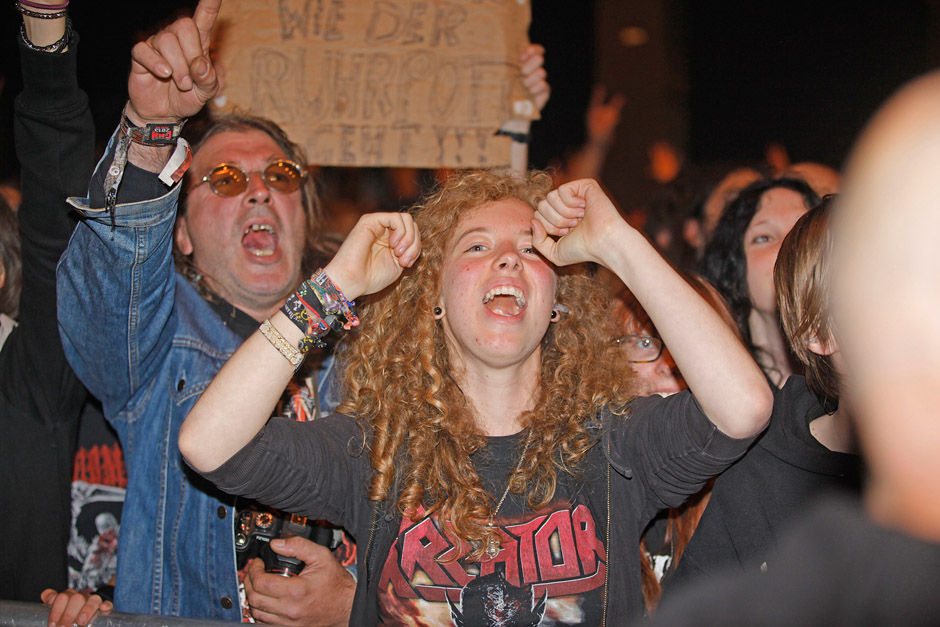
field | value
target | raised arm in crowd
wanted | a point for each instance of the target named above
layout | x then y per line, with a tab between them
40	397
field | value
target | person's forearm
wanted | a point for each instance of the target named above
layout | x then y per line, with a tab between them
239	401
725	380
150	158
518	151
43	31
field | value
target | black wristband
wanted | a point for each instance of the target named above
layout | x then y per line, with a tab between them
519	138
106	592
153	134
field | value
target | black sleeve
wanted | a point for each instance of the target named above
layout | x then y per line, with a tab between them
54	135
671	447
317	469
137	184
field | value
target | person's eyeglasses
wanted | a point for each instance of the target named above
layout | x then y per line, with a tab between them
227	179
640	349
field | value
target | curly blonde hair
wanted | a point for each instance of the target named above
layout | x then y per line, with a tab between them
422	428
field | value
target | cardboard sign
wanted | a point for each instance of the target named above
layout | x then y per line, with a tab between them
421	83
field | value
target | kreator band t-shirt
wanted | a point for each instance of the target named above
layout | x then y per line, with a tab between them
660	451
550	569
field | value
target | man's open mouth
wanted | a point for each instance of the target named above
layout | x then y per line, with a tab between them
260	240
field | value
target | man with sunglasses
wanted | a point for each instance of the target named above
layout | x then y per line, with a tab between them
148	337
147	334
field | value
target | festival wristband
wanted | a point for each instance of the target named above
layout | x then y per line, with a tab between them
333	301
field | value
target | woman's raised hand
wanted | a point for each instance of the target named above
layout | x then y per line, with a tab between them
172	75
374	253
584	221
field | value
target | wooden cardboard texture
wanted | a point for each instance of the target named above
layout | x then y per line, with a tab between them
379	82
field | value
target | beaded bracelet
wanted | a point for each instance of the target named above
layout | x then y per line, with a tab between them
56	46
293	356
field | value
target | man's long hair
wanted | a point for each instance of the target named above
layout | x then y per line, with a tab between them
422	429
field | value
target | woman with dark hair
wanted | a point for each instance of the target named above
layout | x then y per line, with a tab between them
739	261
809	448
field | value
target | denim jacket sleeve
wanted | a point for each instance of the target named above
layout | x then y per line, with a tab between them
116	294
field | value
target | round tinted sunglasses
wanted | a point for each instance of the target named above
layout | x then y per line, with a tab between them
227	179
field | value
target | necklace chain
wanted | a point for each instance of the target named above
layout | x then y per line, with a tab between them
493	543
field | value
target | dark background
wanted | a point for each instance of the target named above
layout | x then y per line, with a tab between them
719	80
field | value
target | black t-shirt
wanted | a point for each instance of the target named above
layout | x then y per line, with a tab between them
659	452
550	567
835	567
753	500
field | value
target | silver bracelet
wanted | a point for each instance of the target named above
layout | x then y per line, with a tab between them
56	46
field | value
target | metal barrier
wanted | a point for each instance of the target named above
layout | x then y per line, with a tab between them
19	614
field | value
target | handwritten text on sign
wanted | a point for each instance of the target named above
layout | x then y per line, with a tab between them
380	82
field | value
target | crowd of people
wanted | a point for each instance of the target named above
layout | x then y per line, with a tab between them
497	402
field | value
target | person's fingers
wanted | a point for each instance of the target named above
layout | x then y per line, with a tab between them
568	207
307	551
72	609
551	209
410	253
413	251
396	233
380	229
204	18
205	78
535	79
573	197
59	604
540	239
267	589
257	583
149	61
531	50
551	221
533	64
168	45
189	41
409	246
48	595
257	601
88	609
399	228
262	616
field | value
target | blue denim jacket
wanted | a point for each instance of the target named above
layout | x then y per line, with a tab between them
146	344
